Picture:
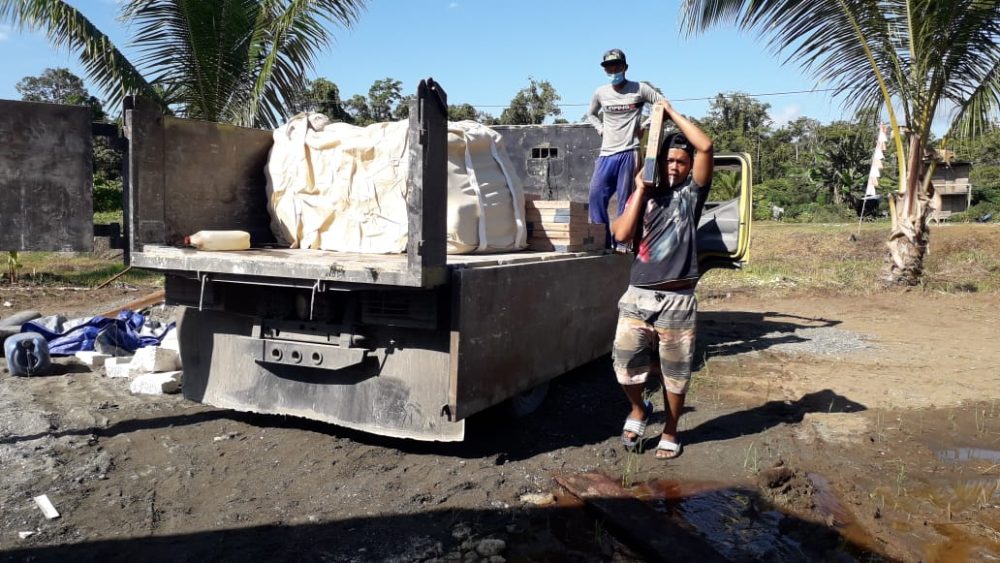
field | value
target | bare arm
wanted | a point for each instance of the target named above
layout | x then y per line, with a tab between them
594	116
649	96
623	228
704	149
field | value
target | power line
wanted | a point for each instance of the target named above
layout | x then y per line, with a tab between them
690	99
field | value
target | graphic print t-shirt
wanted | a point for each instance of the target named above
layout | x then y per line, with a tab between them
667	249
622	114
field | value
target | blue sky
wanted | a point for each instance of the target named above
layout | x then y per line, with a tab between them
483	51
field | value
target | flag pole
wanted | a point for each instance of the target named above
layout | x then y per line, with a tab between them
862	216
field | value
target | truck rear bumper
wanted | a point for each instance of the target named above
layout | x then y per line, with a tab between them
400	392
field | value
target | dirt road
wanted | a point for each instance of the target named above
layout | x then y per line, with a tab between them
886	438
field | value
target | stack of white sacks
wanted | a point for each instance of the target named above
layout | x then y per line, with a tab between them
153	370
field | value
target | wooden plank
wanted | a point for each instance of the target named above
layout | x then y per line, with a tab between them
637	524
576	206
556	247
568	238
562	228
556	212
649	168
573	241
154	298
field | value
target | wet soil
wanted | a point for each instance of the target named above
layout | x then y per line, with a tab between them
820	428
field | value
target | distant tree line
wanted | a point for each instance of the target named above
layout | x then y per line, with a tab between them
814	172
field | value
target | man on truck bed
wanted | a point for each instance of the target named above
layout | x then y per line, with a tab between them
659	307
621	103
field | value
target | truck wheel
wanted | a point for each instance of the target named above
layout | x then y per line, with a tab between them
528	402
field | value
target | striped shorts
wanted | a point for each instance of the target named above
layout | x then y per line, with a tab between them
664	319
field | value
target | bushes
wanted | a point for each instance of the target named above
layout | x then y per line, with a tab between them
820	213
107	195
973	213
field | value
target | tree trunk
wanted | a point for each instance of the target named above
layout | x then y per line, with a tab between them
908	239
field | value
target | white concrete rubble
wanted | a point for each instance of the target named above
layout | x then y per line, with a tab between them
45	504
154	359
93	359
170	342
120	366
156	383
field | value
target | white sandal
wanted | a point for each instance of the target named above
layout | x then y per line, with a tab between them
668	446
637	427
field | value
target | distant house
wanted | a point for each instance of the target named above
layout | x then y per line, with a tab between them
951	183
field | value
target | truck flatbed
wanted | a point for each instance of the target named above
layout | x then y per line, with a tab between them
320	265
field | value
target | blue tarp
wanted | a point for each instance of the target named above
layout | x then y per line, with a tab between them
123	334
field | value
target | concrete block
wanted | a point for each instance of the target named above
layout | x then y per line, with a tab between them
155	359
156	383
93	359
171	342
120	366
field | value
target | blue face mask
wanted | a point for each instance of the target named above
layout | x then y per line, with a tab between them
617	77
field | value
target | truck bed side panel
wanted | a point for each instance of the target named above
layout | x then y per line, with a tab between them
518	326
189	175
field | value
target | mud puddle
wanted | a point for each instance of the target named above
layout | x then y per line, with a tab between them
743	526
739	522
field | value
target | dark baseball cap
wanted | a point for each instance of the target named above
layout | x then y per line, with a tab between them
613	56
677	141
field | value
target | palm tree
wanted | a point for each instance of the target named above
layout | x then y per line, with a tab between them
910	57
235	61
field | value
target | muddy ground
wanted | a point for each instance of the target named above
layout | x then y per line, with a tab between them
821	428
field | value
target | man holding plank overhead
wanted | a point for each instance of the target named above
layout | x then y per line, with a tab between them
656	320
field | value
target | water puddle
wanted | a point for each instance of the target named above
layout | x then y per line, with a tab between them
742	526
969	454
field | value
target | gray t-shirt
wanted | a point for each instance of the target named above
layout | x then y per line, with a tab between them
622	114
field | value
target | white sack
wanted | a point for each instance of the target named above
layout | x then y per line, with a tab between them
334	186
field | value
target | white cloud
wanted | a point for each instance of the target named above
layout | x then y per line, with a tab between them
786	114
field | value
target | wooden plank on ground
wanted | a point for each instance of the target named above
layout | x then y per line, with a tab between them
154	298
635	523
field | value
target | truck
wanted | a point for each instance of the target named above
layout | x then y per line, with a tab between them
408	345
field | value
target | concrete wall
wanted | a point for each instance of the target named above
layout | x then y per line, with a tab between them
554	161
46	191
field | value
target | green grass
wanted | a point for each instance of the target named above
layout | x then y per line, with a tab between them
108	217
77	270
792	258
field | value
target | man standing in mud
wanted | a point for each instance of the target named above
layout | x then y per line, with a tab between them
616	112
657	312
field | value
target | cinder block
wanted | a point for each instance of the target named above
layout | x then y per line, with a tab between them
154	359
119	366
95	360
156	383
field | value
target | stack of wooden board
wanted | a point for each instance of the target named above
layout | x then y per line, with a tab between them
562	226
